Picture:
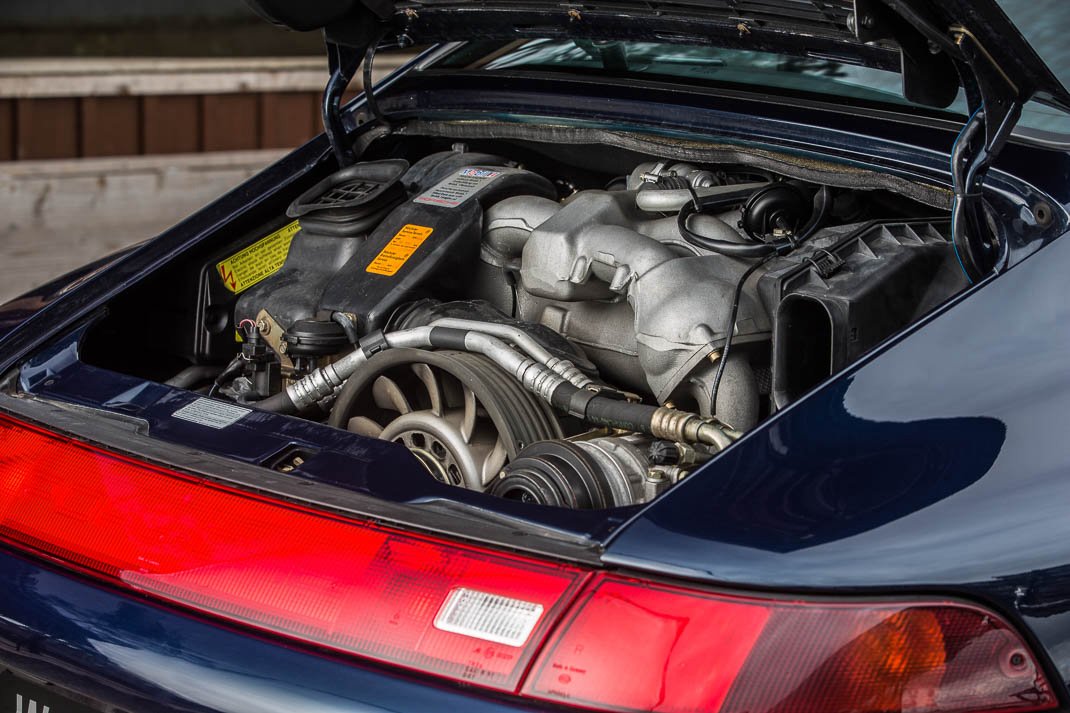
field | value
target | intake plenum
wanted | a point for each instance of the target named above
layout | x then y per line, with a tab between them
624	285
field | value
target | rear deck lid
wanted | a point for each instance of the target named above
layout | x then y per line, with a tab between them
929	42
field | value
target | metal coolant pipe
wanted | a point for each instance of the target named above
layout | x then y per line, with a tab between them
562	367
664	423
322	382
654	200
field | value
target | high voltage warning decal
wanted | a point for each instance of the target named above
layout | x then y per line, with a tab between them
262	259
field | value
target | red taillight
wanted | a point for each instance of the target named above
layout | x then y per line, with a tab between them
349	586
633	646
636	646
481	617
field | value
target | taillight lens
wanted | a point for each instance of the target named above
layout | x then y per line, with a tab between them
636	646
606	642
349	586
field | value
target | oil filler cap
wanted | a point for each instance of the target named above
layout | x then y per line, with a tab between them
314	338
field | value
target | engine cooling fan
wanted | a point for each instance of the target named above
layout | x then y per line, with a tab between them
457	412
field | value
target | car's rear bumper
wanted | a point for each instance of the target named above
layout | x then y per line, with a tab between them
107	648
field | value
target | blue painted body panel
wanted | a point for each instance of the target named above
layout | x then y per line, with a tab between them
380	468
940	463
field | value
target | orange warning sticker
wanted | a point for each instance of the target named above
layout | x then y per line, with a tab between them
399	250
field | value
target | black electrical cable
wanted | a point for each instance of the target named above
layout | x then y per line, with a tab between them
731	328
344	65
823	203
235	367
964	193
723	247
969	165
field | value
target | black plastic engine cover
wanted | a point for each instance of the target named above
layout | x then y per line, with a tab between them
849	289
336	217
427	244
414	243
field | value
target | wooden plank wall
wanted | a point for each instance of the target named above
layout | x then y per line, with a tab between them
7	129
73	127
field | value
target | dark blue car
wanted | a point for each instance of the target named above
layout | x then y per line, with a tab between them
627	356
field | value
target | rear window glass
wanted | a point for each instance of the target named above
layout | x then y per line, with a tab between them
692	63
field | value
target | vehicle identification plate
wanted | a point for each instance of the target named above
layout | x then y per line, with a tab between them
400	248
17	695
211	413
262	259
458	188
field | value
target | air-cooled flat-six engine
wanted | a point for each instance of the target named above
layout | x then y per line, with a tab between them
577	348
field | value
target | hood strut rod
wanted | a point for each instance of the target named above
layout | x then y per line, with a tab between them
971	156
343	61
994	115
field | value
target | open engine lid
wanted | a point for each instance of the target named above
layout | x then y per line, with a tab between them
930	42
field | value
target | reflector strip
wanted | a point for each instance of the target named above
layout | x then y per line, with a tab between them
488	616
350	586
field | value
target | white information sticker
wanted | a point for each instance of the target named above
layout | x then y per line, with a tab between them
458	188
211	413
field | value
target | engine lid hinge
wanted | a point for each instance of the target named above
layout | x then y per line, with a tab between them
995	110
999	95
350	45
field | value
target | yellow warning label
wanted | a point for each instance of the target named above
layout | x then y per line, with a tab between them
398	250
263	258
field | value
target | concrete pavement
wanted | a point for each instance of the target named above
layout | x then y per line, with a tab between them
58	215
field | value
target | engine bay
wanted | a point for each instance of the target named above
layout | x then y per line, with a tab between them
571	338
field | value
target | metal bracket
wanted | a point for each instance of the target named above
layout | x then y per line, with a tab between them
929	75
999	94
